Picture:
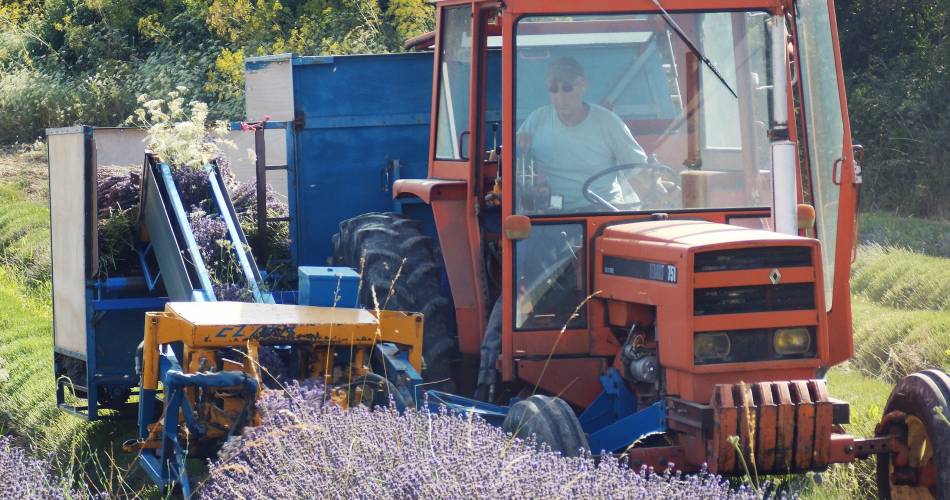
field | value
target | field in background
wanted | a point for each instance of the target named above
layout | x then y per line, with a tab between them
901	322
930	237
901	311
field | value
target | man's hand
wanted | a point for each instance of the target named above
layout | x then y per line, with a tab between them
653	190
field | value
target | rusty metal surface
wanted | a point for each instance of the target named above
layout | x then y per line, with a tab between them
804	424
824	420
781	427
726	420
767	432
785	438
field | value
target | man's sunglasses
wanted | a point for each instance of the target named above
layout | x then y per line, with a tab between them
565	87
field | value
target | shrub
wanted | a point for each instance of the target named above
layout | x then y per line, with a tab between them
31	101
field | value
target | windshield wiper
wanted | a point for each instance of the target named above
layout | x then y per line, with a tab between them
692	46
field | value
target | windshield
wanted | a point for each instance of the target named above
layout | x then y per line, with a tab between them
619	113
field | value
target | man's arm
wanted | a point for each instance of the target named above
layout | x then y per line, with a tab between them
526	132
626	150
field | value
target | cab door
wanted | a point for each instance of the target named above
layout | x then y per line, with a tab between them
544	278
834	175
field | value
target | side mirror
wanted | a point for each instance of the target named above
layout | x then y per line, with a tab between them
806	216
517	227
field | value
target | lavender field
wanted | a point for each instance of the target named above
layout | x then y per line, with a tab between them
307	447
24	477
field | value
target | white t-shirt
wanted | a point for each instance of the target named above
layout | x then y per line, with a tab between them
569	155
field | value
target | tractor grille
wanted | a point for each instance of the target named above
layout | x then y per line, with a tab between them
753	258
758	298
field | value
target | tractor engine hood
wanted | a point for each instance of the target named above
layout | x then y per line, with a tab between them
709	278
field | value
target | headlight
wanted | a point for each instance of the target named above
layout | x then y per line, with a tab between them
787	341
708	346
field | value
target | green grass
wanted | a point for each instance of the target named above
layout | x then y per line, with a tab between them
900	278
78	448
867	397
925	236
890	343
25	238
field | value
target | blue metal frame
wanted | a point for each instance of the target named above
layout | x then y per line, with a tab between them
166	465
238	241
206	292
290	147
613	421
341	148
111	314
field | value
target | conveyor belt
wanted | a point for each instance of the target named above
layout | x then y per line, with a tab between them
180	266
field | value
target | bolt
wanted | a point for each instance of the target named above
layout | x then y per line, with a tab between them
849	449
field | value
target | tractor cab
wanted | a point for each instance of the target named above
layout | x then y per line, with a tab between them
647	198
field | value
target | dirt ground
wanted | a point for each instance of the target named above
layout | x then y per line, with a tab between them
25	167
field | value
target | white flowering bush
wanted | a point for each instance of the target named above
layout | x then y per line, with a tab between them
180	134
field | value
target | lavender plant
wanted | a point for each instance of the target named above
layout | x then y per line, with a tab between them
24	477
308	447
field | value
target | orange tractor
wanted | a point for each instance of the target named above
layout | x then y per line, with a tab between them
631	233
646	212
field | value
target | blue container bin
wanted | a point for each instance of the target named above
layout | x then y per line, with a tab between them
328	286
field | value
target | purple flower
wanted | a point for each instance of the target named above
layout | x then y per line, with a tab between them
22	476
309	447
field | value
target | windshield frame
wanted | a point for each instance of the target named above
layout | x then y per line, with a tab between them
673	8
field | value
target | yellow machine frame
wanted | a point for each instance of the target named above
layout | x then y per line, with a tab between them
204	328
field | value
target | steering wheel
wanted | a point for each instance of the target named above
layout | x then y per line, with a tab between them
596	199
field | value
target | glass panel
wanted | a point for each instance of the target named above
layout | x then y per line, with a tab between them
454	79
764	223
549	267
718	102
823	122
601	113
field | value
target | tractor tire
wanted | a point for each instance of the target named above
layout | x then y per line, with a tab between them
383	245
551	421
922	402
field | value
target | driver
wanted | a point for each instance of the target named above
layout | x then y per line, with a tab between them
570	140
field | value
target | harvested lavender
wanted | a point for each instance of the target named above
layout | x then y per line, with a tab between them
118	199
307	447
24	477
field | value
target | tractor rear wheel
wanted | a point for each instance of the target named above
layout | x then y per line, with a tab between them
400	271
917	413
551	421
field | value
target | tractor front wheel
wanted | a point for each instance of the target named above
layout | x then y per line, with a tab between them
401	271
551	421
918	465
